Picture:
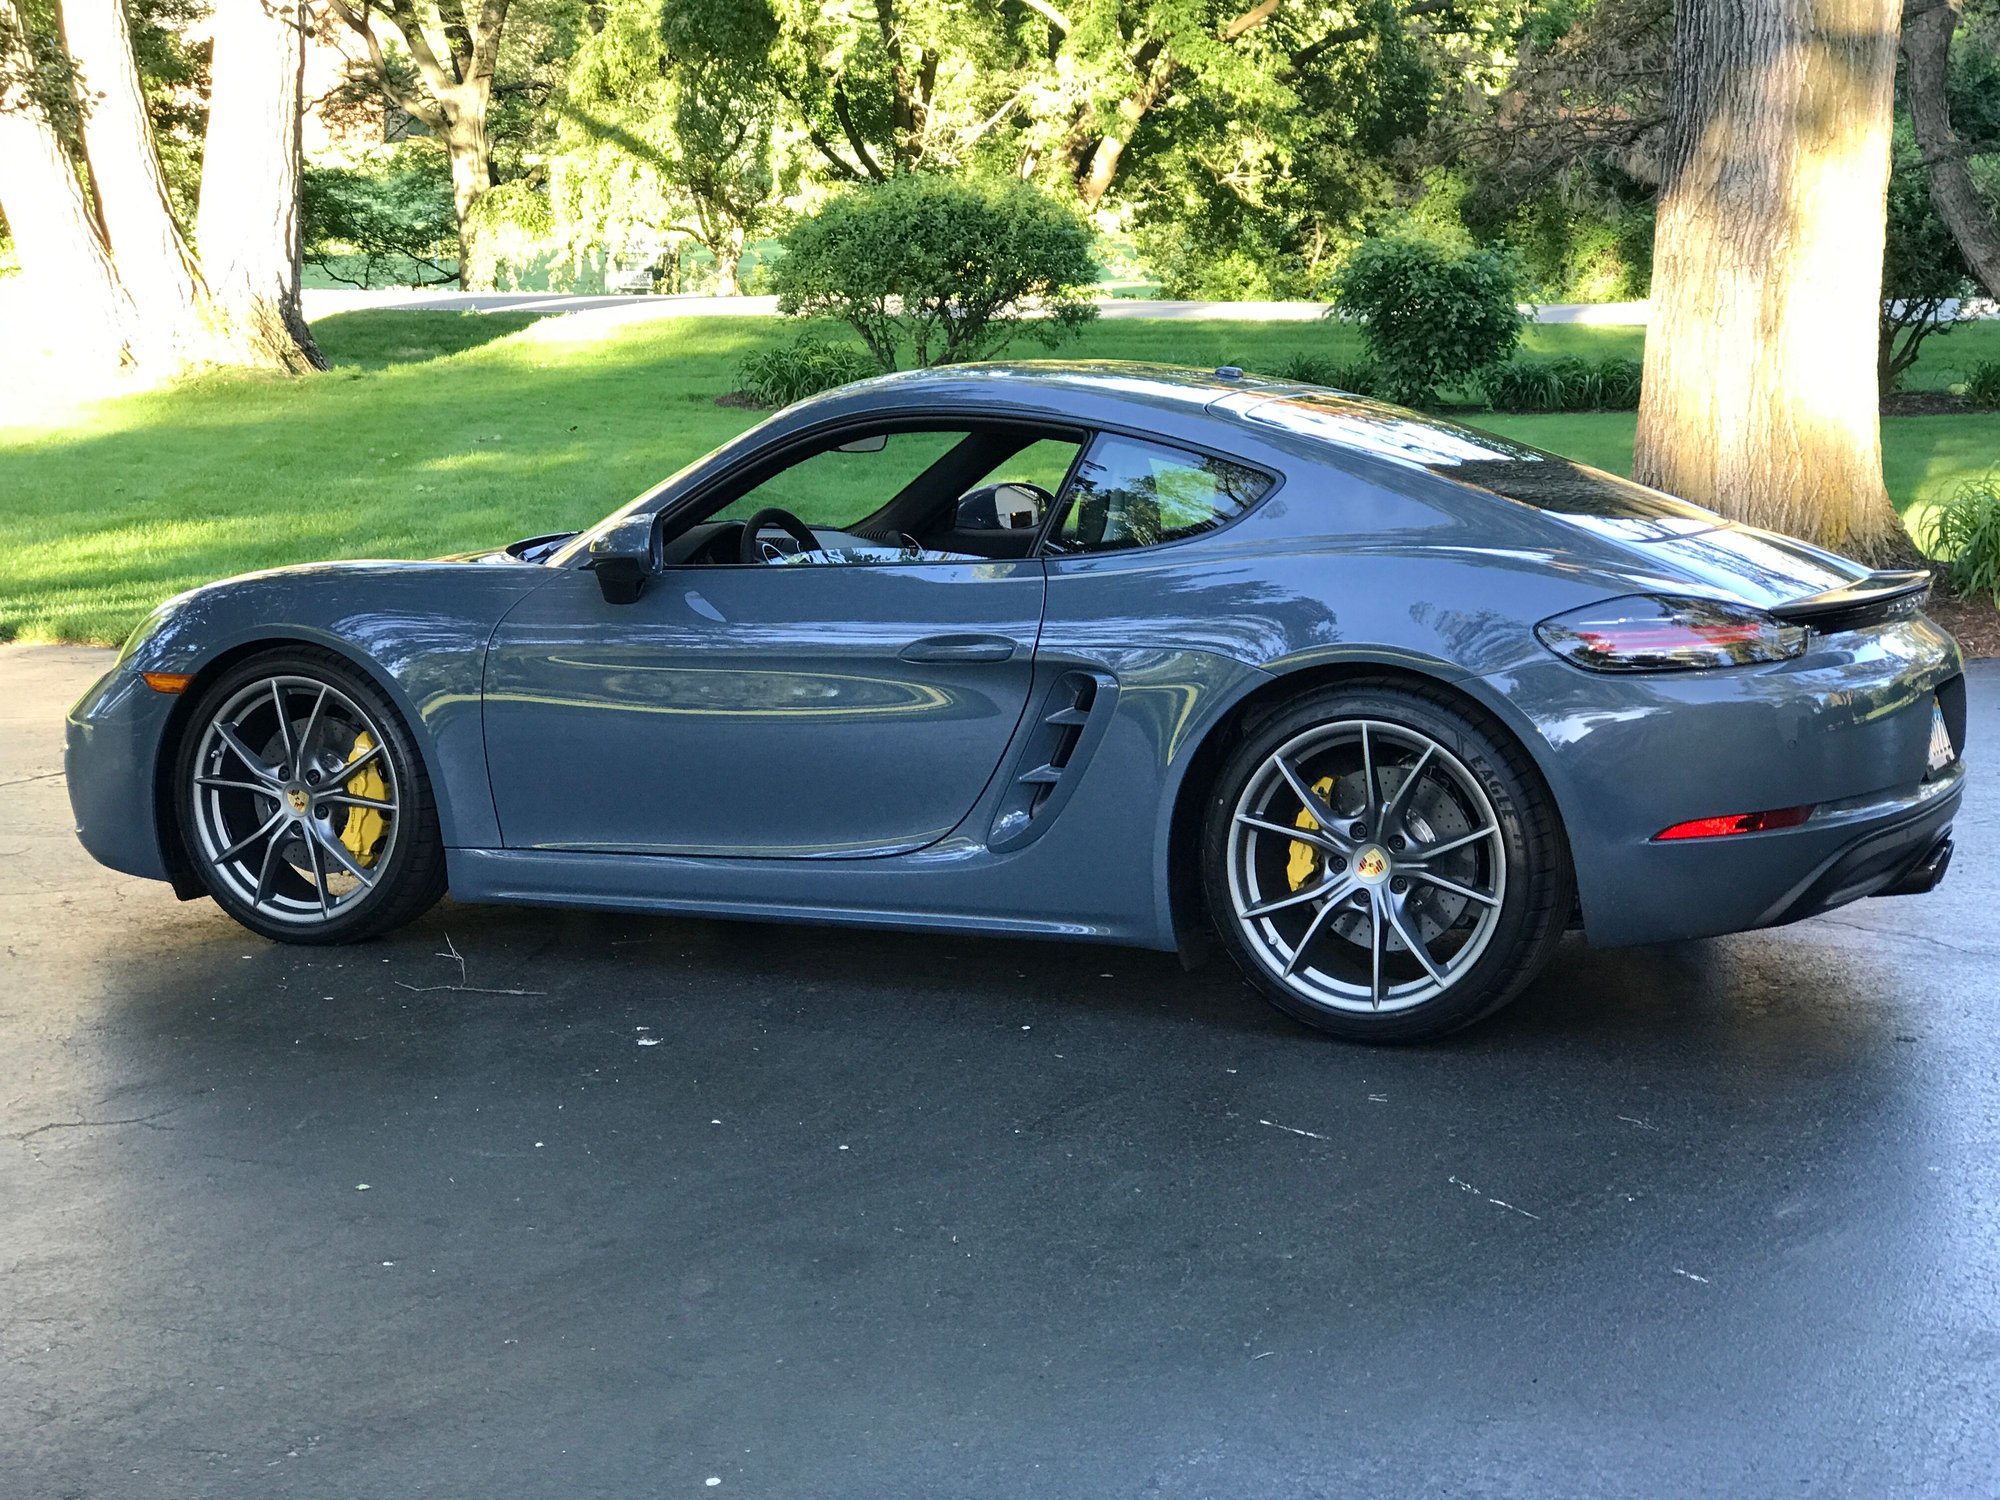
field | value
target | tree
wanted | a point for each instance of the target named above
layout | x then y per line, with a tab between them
1928	28
455	50
1760	391
953	269
1925	280
94	215
248	224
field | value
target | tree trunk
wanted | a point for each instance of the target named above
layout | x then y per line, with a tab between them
1927	31
1760	393
146	243
471	153
248	226
64	263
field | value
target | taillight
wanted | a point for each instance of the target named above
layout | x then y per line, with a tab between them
1755	822
1653	633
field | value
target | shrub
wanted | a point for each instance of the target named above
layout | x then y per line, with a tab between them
802	368
1358	377
950	267
1965	531
1566	382
1982	383
1431	312
385	224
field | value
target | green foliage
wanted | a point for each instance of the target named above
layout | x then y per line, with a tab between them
805	367
384	223
1965	531
1358	377
1982	383
1924	278
1431	312
948	268
1568	382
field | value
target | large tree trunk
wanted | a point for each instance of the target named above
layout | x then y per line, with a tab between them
471	153
1760	391
146	243
248	227
63	260
1927	31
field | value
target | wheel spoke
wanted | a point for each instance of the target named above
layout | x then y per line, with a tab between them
1432	851
261	788
1394	911
1335	900
264	871
1368	799
1313	803
284	728
1313	836
338	850
1378	944
1318	892
228	735
312	726
250	838
348	799
319	875
1392	815
346	774
1430	877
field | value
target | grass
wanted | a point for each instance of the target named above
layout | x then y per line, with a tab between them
439	432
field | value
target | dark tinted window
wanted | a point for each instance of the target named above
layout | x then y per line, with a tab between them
1129	493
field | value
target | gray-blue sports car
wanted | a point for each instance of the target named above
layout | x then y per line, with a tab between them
1087	650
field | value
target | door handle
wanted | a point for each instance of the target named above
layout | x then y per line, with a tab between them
942	649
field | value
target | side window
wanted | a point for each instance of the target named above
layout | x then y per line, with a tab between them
836	487
1129	493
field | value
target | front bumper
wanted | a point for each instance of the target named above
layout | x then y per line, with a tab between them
110	760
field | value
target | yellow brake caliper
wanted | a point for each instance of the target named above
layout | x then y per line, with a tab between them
1304	862
363	828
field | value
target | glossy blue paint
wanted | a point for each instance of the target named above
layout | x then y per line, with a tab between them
850	743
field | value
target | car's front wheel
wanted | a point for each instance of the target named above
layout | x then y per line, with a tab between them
303	802
1383	865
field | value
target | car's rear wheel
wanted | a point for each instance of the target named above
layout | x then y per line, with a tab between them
1383	865
304	804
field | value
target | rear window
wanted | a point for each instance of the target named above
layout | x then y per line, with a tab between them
1514	471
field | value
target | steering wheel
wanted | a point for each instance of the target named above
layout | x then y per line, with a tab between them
750	548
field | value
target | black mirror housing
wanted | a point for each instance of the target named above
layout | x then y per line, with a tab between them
621	576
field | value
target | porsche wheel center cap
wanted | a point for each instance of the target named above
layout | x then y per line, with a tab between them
298	798
1371	865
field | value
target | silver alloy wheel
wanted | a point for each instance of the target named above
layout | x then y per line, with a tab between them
1366	866
273	795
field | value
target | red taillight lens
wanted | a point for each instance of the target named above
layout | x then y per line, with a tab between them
1755	822
1650	633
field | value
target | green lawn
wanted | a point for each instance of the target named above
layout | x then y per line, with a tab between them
437	432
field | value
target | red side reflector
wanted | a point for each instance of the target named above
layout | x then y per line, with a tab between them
167	682
1756	822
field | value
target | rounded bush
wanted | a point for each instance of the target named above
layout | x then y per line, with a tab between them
1432	313
945	268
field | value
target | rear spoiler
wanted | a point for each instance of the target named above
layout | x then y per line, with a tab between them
1865	601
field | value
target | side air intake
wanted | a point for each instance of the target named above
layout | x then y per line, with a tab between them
1071	719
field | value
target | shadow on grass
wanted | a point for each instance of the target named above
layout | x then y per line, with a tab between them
365	339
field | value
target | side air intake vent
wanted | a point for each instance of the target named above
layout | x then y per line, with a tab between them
1072	718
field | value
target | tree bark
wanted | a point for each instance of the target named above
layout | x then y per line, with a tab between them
247	228
64	262
1760	395
146	244
1927	31
471	153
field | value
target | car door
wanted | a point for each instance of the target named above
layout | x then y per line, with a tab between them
801	711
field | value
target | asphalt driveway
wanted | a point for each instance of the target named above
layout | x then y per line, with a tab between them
534	1204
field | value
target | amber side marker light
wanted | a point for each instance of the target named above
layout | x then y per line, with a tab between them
167	682
1756	822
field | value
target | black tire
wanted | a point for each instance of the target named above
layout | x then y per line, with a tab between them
1499	942
406	863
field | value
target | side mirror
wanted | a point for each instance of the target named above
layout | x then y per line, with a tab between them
621	576
1000	507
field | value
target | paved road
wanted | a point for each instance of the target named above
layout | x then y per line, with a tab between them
878	1217
322	302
